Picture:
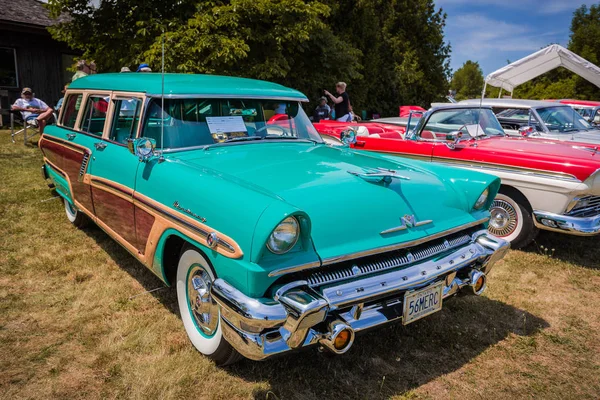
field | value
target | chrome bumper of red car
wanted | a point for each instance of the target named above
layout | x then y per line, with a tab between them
300	316
580	226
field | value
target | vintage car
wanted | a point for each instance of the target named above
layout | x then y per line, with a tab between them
264	229
546	184
540	119
589	110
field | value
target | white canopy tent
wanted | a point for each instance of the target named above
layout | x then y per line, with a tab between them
542	61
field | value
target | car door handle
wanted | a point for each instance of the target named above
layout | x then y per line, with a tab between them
100	145
360	143
71	136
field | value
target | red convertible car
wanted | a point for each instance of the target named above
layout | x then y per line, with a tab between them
546	184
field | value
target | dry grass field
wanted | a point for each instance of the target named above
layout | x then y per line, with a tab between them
75	322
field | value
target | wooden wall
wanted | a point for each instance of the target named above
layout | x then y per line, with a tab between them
39	64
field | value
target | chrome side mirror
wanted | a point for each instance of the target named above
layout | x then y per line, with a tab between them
348	137
526	130
143	148
452	139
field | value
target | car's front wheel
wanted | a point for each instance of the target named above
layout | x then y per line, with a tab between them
511	219
199	312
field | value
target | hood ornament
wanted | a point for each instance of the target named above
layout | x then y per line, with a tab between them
407	221
379	175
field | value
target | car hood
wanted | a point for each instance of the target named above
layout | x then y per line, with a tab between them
347	213
574	158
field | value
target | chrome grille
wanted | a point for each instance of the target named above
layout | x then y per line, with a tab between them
587	206
84	164
385	261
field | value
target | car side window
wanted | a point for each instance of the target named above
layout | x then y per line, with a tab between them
94	116
70	110
125	119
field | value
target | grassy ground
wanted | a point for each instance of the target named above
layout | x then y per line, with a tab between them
75	323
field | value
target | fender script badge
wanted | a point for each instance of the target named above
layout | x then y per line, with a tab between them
408	221
188	211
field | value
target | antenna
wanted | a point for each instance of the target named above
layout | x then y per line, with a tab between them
162	98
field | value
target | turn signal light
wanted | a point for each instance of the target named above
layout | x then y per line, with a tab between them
479	284
342	339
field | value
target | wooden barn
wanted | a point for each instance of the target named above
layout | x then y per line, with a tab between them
29	56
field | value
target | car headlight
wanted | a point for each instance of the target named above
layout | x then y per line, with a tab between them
284	236
482	200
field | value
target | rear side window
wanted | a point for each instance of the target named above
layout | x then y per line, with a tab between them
94	117
71	109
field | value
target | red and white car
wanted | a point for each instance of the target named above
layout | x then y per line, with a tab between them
546	184
590	110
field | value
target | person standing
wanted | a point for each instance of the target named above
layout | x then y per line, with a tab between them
341	103
82	70
34	111
322	111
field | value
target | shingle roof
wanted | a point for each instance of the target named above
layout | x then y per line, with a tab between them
30	12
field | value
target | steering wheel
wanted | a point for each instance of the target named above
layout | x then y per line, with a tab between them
268	126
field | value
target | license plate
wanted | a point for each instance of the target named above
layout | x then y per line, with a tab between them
422	303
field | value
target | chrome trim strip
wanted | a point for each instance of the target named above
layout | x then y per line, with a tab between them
516	170
383	249
295	268
578	226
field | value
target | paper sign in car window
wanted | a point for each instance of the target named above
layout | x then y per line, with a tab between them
226	124
475	130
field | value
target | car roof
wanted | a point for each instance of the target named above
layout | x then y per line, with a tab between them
192	85
589	103
511	103
457	106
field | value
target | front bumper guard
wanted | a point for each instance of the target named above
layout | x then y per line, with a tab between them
579	226
299	316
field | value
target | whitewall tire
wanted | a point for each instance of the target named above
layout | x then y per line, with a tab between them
75	216
199	312
511	219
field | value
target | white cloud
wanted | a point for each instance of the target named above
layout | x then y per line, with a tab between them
477	37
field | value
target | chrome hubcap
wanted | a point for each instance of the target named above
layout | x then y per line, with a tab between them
202	307
504	219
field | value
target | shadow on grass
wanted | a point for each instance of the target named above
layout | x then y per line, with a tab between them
388	361
583	251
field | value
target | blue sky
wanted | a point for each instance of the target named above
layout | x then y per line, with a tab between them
493	31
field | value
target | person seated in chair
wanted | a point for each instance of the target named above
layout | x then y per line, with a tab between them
34	111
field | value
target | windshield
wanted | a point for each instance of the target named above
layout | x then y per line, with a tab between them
562	119
201	122
473	122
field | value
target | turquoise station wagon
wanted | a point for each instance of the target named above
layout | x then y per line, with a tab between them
274	240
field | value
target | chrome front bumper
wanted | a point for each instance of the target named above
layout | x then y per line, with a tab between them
299	316
580	226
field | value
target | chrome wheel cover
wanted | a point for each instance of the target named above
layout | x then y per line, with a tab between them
504	219
203	309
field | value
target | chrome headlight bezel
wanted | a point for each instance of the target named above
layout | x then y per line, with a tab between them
285	224
482	199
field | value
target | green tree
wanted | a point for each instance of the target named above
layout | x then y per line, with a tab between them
585	41
389	53
467	81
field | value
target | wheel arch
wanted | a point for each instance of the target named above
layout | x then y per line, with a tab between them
168	251
515	194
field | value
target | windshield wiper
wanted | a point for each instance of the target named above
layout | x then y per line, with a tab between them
243	139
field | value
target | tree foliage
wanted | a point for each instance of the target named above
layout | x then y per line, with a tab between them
389	52
467	81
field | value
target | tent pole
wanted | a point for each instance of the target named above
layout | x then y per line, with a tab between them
500	92
483	93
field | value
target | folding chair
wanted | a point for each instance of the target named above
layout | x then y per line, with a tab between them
28	123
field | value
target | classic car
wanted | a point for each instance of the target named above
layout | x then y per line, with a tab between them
590	110
540	119
236	212
546	184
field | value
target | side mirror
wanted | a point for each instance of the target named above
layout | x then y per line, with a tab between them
452	139
526	131
348	137
143	148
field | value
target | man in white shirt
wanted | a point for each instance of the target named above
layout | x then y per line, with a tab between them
34	111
